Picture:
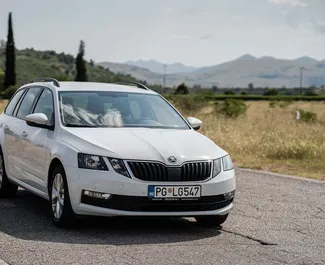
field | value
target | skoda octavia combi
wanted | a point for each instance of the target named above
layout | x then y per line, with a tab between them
117	149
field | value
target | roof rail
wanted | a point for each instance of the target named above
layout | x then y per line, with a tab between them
46	79
139	85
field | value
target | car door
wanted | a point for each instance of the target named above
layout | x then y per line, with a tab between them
36	140
10	126
20	129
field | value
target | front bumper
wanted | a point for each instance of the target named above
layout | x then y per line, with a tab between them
130	196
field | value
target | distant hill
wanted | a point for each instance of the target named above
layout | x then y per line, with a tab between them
262	72
158	67
31	64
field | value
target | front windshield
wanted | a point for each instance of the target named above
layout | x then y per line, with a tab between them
117	109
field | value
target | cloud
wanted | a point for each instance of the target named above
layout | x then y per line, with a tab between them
181	37
206	37
318	26
294	3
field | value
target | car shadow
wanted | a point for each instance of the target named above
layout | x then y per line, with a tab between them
28	217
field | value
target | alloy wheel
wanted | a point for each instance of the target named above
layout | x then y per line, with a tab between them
57	196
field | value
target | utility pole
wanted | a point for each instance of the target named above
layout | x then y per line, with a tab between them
301	69
164	76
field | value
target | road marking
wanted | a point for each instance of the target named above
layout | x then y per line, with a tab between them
281	175
3	263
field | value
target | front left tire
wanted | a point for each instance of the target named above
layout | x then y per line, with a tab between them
7	189
62	212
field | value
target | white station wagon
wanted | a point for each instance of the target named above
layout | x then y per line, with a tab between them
111	150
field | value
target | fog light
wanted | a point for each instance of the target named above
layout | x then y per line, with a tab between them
229	195
95	194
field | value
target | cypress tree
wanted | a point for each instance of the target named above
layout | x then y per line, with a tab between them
80	64
10	73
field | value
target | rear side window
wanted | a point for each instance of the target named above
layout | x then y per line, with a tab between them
13	102
27	102
45	105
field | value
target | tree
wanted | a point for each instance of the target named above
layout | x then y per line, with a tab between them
10	71
2	77
80	64
251	86
182	89
271	92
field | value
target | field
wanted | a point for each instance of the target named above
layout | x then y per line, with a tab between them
266	137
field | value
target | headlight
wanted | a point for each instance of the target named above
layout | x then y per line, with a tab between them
119	166
91	162
216	167
227	163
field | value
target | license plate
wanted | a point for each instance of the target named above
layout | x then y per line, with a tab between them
174	192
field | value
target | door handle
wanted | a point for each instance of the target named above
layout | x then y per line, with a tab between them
24	134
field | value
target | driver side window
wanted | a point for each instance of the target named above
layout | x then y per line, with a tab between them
45	105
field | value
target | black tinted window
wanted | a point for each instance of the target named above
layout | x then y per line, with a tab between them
27	103
45	105
12	104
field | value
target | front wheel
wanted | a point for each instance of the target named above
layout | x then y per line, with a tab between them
211	220
7	189
62	212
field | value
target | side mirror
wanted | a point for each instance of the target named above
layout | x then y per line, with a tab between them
195	123
37	120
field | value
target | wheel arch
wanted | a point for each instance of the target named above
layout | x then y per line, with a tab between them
54	163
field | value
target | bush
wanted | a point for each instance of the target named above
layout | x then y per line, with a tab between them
307	116
232	108
311	93
229	92
271	92
188	102
182	89
8	93
243	93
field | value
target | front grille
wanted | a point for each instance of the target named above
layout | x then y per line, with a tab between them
152	171
144	204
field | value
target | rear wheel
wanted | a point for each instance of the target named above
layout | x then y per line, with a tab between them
62	212
211	220
7	189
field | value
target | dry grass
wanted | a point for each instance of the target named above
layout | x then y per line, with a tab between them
270	138
3	104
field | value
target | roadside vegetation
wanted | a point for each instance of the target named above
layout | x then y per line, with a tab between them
264	134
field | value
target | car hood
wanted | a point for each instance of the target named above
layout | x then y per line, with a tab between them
143	143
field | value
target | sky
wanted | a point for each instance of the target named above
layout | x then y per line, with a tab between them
193	32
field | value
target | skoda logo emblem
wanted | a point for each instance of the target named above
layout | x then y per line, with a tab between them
172	159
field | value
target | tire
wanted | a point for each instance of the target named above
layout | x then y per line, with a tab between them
211	220
7	189
60	205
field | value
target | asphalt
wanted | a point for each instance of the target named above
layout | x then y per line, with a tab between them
276	220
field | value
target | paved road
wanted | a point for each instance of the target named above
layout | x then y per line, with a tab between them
275	221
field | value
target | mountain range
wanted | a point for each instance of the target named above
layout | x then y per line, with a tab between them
262	72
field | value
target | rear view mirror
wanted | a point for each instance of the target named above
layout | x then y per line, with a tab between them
37	120
195	123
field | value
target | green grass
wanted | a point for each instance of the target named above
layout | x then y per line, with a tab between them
31	64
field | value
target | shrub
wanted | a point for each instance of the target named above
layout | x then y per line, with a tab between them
182	89
229	92
271	92
232	108
8	93
307	116
243	93
188	102
311	93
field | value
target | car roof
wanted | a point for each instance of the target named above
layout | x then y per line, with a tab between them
92	86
